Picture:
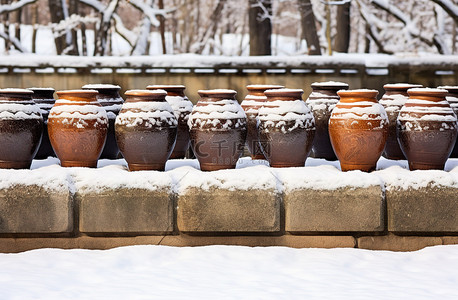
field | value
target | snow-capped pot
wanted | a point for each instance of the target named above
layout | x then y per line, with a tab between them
77	128
286	128
111	101
452	99
358	128
393	100
251	105
218	128
321	102
44	98
21	126
182	108
146	130
427	129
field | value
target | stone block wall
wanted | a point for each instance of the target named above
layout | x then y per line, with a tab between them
254	205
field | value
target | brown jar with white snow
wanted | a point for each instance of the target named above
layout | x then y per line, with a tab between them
218	128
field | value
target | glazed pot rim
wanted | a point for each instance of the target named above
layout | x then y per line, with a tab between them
367	93
399	86
77	92
165	86
100	86
427	92
16	91
264	86
143	93
282	92
218	92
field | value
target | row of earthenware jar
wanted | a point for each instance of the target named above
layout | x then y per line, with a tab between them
159	123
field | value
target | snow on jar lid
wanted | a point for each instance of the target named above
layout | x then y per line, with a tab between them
329	83
216	91
145	93
401	86
281	92
263	86
16	91
449	87
428	91
362	92
166	86
41	88
101	86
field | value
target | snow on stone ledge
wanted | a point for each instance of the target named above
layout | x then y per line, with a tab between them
181	175
324	177
249	178
51	178
117	176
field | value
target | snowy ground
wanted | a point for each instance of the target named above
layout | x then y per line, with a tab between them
230	272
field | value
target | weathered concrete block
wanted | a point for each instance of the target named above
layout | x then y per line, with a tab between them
125	210
221	210
242	200
343	210
113	200
35	209
424	209
397	243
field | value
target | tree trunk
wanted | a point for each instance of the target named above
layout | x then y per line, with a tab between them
17	25
101	37
57	14
73	9
342	39
260	27
308	27
162	27
35	29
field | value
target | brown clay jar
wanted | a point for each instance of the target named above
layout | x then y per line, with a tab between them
182	108
44	98
77	128
251	105
427	129
393	100
218	129
146	130
111	101
21	126
358	128
452	99
286	128
321	102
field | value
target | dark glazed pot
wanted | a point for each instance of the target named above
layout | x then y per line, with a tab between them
452	99
358	129
251	105
21	126
111	101
77	128
393	100
427	129
146	130
44	98
218	129
182	108
321	102
286	128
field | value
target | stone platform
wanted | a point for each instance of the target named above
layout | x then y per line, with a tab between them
254	205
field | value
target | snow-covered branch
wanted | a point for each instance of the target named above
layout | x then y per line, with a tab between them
13	40
150	12
5	8
450	7
266	14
